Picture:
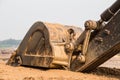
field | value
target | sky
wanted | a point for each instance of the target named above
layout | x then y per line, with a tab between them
17	16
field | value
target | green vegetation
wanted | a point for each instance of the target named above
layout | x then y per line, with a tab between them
9	43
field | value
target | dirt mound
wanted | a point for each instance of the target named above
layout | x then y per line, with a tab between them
5	54
6	51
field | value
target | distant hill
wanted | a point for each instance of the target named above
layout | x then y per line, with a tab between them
9	43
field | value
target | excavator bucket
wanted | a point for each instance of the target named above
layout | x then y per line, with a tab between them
43	46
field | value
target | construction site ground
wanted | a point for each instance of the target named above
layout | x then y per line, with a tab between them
110	70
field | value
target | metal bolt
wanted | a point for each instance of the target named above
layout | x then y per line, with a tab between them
90	24
107	32
99	39
69	46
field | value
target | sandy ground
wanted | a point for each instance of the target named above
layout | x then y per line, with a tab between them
25	73
108	71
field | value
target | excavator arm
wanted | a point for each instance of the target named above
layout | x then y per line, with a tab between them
104	42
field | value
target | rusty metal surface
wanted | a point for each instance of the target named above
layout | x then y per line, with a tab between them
100	51
35	46
43	45
59	33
